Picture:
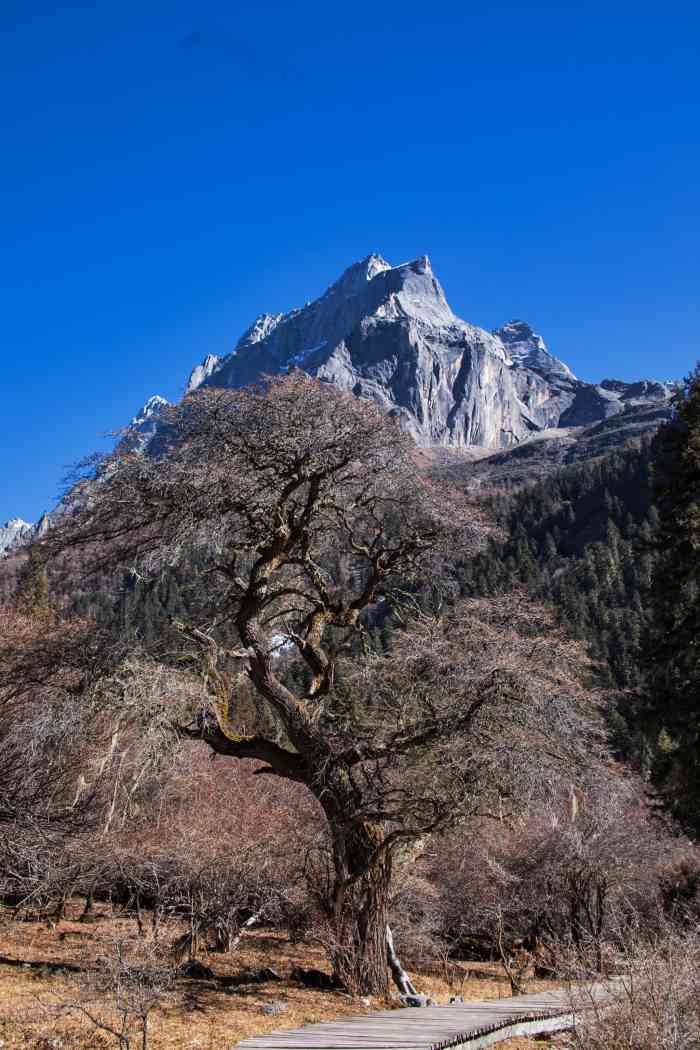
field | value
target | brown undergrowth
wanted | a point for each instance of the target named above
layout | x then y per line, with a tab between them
196	1014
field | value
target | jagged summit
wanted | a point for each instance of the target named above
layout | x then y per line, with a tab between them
145	422
353	280
646	389
201	372
14	533
388	333
18	523
518	331
150	408
307	337
527	349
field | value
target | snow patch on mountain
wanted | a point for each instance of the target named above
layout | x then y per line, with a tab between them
149	410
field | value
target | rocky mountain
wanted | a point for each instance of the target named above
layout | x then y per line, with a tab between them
527	349
145	422
14	532
388	333
17	533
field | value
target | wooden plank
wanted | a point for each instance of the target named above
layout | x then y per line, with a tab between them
460	1025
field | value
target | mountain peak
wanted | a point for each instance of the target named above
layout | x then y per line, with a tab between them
145	422
150	408
527	349
17	523
517	329
387	333
15	533
354	280
419	265
202	372
374	264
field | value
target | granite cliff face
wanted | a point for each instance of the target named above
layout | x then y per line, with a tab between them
388	333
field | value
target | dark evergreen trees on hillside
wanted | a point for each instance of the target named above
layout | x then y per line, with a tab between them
674	640
581	539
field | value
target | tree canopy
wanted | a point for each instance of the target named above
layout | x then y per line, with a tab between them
303	512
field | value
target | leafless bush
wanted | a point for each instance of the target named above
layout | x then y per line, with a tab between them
416	917
574	871
657	1004
74	766
45	664
680	881
119	997
220	897
195	864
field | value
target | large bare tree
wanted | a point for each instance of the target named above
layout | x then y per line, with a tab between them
306	514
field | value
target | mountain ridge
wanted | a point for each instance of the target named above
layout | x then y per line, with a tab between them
389	334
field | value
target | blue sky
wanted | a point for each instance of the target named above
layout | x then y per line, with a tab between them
171	170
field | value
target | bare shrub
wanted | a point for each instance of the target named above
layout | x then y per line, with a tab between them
680	881
120	995
416	917
45	665
572	872
195	864
657	1002
77	770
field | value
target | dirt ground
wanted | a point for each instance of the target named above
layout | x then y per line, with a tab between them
39	1007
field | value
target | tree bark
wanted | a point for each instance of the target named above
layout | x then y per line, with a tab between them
360	910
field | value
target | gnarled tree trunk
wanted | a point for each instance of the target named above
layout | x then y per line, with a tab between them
359	909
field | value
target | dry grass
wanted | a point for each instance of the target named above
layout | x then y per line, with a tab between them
560	1040
196	1014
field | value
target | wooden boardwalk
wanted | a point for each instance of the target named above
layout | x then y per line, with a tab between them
468	1025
